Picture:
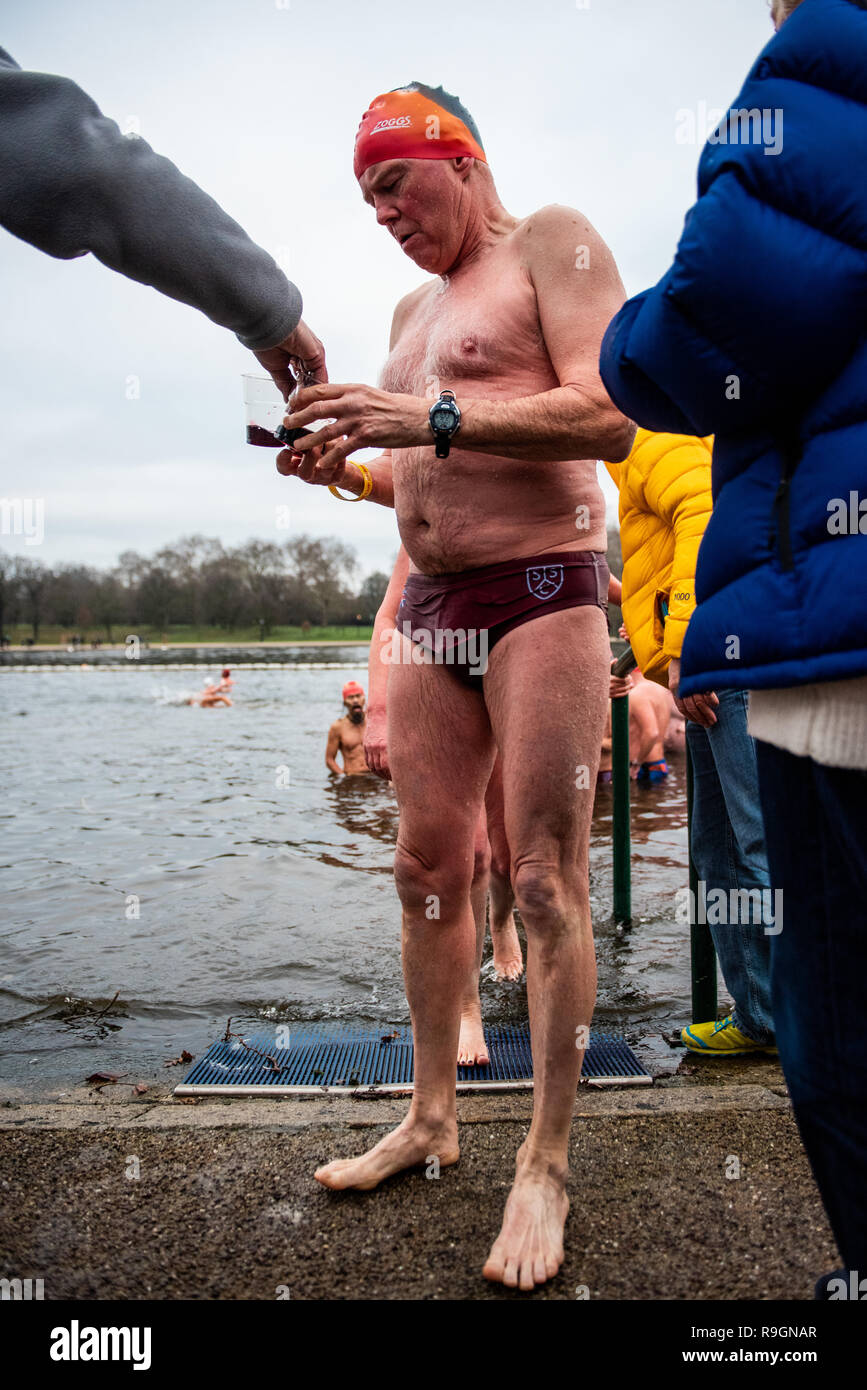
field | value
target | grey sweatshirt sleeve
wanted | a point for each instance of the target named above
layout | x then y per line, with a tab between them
70	184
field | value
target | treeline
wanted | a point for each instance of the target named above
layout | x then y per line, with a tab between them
197	583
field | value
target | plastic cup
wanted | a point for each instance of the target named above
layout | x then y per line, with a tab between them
264	408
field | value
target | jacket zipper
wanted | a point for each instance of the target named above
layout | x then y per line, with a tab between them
792	449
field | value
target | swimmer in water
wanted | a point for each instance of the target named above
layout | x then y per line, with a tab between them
226	681
210	696
346	735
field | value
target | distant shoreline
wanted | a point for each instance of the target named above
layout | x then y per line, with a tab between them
60	650
189	655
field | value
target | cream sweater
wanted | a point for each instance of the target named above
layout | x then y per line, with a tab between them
825	722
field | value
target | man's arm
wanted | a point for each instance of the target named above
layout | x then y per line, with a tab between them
331	750
577	289
70	184
375	744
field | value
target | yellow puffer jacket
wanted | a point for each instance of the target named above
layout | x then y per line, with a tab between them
665	504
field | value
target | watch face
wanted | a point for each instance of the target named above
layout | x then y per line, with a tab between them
443	419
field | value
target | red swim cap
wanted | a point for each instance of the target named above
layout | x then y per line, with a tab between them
410	125
226	673
352	688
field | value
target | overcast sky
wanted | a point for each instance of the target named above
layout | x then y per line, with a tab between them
259	101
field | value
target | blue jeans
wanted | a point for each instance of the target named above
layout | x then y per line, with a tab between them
728	850
815	818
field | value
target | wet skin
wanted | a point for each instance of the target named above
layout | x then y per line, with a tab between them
513	327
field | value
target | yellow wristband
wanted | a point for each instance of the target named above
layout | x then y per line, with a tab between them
367	478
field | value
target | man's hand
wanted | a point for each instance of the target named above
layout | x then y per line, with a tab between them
301	350
698	708
364	418
319	469
619	686
375	746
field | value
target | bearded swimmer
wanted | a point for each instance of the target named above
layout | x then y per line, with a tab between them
346	735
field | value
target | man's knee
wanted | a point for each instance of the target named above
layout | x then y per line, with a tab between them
432	885
546	901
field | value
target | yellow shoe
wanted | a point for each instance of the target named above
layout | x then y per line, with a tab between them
721	1039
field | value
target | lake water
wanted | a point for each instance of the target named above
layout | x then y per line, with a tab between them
155	850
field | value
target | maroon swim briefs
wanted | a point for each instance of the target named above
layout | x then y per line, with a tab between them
459	618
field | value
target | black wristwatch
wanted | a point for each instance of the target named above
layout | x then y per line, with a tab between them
445	421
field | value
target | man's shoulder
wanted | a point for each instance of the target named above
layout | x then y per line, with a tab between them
552	228
553	220
411	301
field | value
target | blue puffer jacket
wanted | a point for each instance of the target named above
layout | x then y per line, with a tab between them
758	335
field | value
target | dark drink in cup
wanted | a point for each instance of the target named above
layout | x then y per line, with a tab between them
257	435
265	409
268	440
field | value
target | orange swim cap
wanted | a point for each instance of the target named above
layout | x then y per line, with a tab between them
352	688
407	124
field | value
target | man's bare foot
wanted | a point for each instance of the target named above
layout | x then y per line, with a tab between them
412	1143
529	1248
508	961
472	1048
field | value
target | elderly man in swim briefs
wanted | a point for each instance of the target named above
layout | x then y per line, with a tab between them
492	863
504	523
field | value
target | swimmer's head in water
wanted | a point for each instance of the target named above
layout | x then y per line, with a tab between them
415	149
226	673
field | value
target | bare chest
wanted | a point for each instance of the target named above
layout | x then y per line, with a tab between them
484	329
351	735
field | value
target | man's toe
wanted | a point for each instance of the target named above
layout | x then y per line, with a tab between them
494	1266
526	1280
510	1274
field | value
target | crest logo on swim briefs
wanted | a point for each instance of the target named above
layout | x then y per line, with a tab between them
544	581
392	123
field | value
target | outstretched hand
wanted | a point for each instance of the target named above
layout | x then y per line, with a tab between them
300	357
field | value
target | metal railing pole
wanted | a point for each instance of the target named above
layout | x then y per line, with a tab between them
701	948
620	814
